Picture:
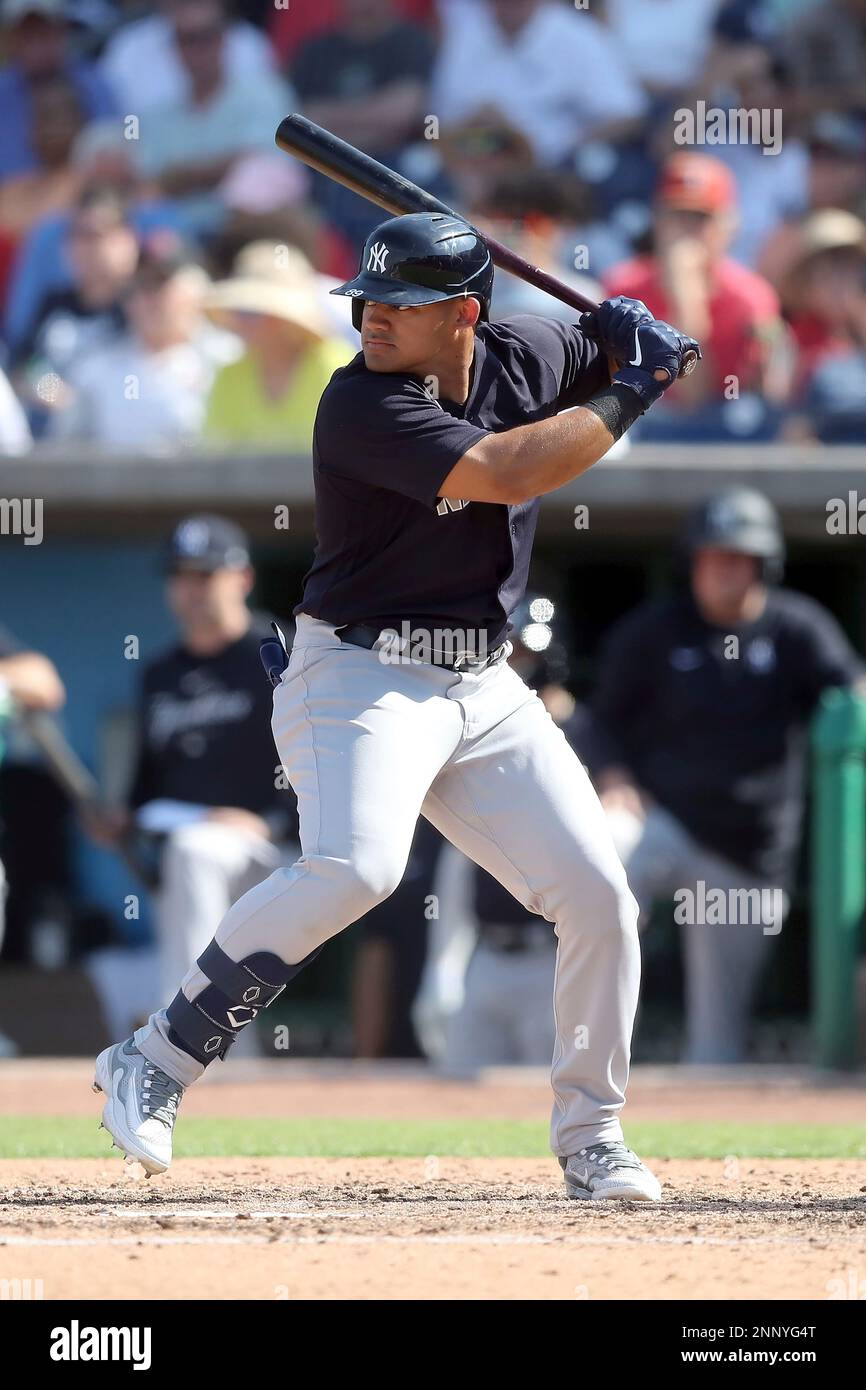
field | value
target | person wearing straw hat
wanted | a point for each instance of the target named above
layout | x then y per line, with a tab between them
824	295
269	396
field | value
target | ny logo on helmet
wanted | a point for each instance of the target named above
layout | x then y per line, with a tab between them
376	258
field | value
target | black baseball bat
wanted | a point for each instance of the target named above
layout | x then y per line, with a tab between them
338	160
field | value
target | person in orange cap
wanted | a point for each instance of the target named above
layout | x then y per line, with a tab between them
689	279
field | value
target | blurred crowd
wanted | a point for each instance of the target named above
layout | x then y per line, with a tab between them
164	269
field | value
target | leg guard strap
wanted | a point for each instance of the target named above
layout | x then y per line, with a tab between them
207	1027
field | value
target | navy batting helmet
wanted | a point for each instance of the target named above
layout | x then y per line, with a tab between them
740	519
419	259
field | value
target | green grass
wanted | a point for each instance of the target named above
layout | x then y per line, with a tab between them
40	1136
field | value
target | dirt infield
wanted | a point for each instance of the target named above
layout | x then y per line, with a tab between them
433	1228
394	1229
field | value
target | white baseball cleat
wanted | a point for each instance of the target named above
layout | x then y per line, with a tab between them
608	1171
141	1104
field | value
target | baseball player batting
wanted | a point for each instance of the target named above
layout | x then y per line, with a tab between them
431	452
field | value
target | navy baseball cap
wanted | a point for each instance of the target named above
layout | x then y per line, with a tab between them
205	544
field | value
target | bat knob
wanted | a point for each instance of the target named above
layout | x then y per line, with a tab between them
689	362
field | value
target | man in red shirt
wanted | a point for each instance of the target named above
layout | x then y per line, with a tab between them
689	280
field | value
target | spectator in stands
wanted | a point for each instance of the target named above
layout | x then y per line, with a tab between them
825	48
266	199
836	142
36	41
688	279
291	26
72	323
365	78
207	778
145	66
187	148
146	390
270	395
53	185
555	73
824	295
836	174
544	217
697	740
771	168
664	44
102	158
29	681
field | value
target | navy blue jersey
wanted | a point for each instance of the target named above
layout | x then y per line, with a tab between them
204	731
389	550
720	743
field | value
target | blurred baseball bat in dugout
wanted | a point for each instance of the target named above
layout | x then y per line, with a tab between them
83	790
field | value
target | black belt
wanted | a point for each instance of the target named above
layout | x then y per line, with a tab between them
361	635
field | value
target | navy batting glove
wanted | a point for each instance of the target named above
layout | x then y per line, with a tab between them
657	347
614	323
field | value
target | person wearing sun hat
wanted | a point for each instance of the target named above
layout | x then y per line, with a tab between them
824	293
269	396
37	46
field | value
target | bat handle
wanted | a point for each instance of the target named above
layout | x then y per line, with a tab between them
689	362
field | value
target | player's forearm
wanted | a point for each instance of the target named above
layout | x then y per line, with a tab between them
531	460
541	457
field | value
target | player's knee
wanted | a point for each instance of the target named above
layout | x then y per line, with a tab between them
375	876
357	884
597	898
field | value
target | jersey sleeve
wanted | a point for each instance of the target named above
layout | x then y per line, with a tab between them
387	432
826	657
578	365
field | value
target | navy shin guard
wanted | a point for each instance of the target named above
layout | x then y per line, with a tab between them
207	1027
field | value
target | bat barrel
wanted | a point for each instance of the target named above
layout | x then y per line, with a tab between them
360	172
320	149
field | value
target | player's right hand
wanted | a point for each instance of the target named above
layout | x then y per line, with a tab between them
658	351
32	681
106	825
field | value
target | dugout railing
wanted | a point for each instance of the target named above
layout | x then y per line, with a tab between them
838	875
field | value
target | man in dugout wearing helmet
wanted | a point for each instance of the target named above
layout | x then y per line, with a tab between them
698	740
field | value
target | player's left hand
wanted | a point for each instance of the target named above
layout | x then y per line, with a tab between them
614	324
